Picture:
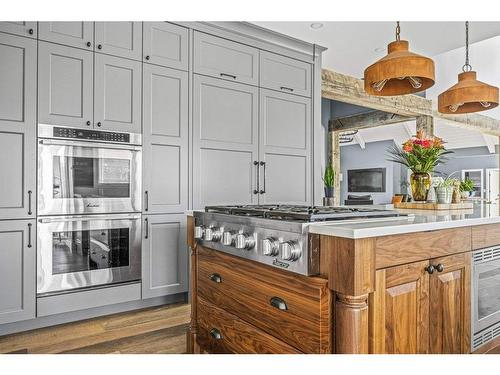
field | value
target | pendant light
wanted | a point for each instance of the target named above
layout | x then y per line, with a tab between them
468	95
400	72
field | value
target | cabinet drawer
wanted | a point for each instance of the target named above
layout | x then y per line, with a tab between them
285	74
293	308
225	59
221	332
485	236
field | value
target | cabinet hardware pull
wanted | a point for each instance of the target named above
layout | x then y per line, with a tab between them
263	191
146	224
228	75
29	202
286	88
439	267
146	196
31	31
29	234
430	269
216	278
147	57
215	333
88	123
99	124
256	190
278	303
99	46
88	44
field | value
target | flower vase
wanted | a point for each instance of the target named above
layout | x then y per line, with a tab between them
420	185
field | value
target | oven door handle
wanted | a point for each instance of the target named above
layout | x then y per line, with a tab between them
87	218
90	144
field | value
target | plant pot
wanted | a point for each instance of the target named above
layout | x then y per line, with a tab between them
328	201
431	195
328	191
444	194
420	185
464	195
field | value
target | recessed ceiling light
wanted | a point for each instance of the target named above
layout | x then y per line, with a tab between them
316	25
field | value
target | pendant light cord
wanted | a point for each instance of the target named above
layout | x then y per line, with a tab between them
398	31
467	67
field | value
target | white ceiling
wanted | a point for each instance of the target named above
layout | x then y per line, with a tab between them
351	45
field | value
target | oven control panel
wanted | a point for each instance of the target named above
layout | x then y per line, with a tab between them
88	134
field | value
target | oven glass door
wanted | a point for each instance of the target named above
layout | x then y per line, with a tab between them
82	252
79	178
486	294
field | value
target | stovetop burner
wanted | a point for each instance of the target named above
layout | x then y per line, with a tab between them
300	213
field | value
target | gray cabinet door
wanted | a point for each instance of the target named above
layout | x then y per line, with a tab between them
225	142
117	94
23	28
285	74
164	255
17	127
166	44
285	147
17	270
64	86
119	38
165	129
74	34
225	59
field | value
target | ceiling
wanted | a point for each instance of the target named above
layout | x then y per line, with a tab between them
352	46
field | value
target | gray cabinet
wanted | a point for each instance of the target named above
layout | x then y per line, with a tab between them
117	94
285	148
225	59
285	74
74	34
17	127
225	142
22	28
119	38
165	130
17	270
164	255
65	78
166	44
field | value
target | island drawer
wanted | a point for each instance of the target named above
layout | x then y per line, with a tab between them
293	308
485	236
222	332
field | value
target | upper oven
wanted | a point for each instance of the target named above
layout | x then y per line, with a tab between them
83	171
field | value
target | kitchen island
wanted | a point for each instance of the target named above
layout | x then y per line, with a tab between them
398	285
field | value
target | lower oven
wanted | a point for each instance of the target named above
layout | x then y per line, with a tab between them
86	251
485	304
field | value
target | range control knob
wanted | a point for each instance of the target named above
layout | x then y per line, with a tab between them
228	238
199	231
212	234
290	250
244	241
270	246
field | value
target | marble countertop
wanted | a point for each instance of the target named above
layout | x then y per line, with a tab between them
416	221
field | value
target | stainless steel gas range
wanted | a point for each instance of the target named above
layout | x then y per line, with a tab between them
275	235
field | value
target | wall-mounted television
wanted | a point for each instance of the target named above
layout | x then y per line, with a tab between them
370	180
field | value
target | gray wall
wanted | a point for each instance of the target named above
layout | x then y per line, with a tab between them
373	156
469	158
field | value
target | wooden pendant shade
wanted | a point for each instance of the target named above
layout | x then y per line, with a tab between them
400	72
468	95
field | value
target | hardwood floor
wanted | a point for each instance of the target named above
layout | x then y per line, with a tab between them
154	330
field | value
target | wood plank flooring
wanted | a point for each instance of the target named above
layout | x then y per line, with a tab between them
154	330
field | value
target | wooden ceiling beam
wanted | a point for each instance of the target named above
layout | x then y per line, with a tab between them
366	120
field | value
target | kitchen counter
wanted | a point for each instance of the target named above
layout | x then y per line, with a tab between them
416	221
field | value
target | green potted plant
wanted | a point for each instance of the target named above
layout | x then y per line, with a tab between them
329	180
421	155
444	190
466	187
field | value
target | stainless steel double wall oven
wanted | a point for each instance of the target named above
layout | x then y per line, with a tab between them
89	208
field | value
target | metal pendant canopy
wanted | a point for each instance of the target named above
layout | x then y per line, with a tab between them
468	95
400	72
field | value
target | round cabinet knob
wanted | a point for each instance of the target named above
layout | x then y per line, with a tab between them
212	234
147	57
270	247
227	238
99	46
244	241
199	232
290	250
88	44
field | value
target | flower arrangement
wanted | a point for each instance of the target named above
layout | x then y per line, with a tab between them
420	154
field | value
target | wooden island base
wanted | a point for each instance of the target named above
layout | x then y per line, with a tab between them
404	294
